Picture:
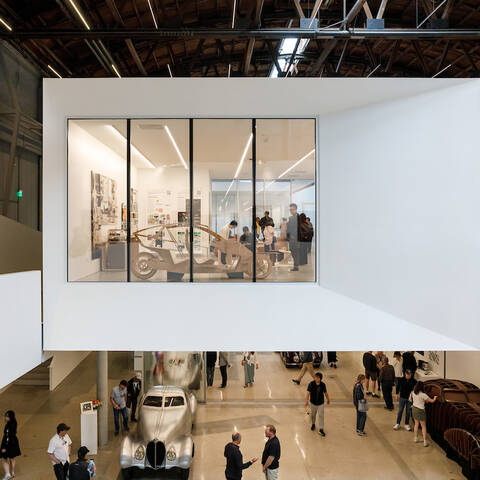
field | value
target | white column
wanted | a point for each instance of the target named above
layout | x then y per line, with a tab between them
103	396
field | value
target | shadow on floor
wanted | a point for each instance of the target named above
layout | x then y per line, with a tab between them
151	474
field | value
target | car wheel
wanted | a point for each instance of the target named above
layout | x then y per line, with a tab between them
142	268
185	474
127	474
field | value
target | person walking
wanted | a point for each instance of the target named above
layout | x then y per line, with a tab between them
398	367
419	398
224	364
387	380
316	393
10	448
82	468
403	390
58	451
211	362
370	365
271	454
307	366
361	405
249	364
134	387
118	399
235	465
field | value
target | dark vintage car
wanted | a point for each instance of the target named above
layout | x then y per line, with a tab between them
163	438
294	359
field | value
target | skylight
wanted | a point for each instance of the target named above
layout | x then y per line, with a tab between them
287	47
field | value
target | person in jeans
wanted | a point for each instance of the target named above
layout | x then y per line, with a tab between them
419	398
118	399
211	361
359	398
387	380
316	393
370	365
58	451
404	389
307	366
398	366
271	454
235	465
224	364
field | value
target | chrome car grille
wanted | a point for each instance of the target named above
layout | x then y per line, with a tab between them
156	454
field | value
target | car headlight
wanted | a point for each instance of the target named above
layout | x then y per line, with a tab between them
140	453
171	455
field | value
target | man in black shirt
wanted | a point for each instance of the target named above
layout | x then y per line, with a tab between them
266	220
271	454
404	389
316	393
211	361
235	465
409	362
79	470
134	387
370	364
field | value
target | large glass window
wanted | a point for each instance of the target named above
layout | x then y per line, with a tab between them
162	200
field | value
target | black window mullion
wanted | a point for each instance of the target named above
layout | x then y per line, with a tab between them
254	198
128	196
191	196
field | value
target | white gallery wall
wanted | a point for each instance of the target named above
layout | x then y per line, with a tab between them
378	221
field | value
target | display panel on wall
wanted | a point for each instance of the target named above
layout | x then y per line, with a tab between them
192	200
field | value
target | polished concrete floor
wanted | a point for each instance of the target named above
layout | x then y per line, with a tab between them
383	453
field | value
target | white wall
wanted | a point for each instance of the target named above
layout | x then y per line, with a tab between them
213	316
399	196
21	322
464	366
62	365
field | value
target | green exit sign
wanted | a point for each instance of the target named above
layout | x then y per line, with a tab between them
19	193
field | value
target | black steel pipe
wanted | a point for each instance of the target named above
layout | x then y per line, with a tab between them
265	33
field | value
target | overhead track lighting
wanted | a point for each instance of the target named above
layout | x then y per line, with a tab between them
153	15
132	146
5	24
234	12
169	70
82	18
174	143
116	71
54	71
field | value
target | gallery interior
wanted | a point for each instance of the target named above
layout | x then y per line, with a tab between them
181	182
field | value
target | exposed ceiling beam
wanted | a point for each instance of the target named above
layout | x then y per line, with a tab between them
353	12
299	8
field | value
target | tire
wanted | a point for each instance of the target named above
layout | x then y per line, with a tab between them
141	266
184	474
264	266
127	474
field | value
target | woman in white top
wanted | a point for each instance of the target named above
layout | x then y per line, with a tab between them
419	398
249	364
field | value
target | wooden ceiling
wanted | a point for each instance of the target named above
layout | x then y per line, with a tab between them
242	55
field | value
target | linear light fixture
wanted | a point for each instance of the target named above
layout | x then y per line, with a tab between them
82	18
116	71
239	168
5	24
229	69
54	71
169	70
234	12
174	143
133	147
153	15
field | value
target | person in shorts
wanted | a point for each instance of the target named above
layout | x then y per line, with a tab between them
419	398
370	365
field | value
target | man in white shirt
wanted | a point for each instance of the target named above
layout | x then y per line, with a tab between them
118	399
225	233
59	451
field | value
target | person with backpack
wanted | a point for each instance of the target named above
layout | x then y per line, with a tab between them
82	468
307	366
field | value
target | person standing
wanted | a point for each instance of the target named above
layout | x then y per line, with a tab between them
370	365
360	402
404	389
226	233
82	468
211	361
224	364
387	380
283	229
271	454
58	451
293	236
266	220
307	366
316	393
419	398
134	387
10	448
235	465
118	399
332	359
398	367
409	362
249	364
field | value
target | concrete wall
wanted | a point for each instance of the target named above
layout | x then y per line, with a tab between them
62	365
20	247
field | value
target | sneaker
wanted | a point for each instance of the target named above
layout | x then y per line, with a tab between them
296	381
396	426
313	427
369	393
415	440
425	444
374	395
321	432
294	269
362	434
408	428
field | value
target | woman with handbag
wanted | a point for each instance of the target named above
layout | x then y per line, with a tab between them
249	364
361	405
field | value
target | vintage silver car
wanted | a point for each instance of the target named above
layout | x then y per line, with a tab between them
163	438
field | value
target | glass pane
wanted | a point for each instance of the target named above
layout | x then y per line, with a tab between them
285	197
222	185
174	401
153	401
97	185
159	200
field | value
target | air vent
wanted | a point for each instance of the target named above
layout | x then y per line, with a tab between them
156	454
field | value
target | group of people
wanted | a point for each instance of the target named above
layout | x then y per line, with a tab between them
270	456
249	363
297	230
410	394
124	397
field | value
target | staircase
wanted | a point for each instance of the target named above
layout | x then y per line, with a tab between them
39	376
